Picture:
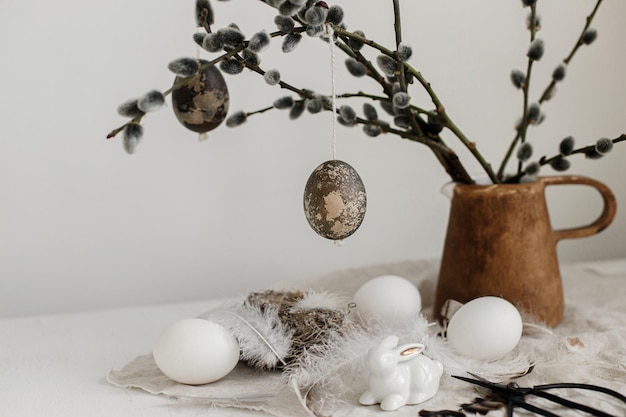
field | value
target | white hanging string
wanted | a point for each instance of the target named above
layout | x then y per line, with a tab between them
329	32
201	136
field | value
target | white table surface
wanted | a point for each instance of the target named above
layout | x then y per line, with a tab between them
56	365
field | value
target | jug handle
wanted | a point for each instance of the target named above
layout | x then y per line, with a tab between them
605	218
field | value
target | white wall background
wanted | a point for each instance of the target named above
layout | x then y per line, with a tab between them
85	226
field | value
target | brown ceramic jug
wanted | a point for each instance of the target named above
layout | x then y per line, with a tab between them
500	242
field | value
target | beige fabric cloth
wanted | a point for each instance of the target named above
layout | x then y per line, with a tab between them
587	347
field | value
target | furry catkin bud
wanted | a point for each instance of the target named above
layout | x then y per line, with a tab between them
272	76
198	38
291	42
559	73
213	42
184	67
401	100
347	113
405	52
335	15
355	67
236	119
524	152
283	103
354	43
345	122
532	169
604	146
204	13
589	36
314	31
231	36
566	146
533	114
133	132
560	164
327	101
274	3
284	23
536	50
370	112
372	130
314	106
151	101
518	78
251	59
401	121
315	15
387	107
129	109
231	66
289	8
296	110
259	42
387	64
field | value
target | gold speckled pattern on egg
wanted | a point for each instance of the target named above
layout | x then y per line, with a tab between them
202	104
334	200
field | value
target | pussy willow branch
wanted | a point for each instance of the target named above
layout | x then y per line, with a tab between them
544	160
446	155
372	72
373	97
526	87
450	161
520	134
549	89
228	54
444	117
413	118
583	150
547	92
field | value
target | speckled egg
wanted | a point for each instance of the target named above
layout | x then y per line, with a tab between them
201	104
334	200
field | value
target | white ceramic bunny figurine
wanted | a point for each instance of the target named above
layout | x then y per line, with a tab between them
400	375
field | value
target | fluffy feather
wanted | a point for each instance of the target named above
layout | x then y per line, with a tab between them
321	300
264	341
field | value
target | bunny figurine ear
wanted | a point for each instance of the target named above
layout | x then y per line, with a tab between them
409	351
390	342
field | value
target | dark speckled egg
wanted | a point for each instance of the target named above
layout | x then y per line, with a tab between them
334	200
201	104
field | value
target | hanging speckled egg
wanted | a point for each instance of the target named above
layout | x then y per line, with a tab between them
334	200
201	104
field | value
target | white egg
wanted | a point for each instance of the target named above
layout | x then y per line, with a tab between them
196	351
388	297
485	328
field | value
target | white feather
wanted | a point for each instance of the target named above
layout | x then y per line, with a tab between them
263	339
321	300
